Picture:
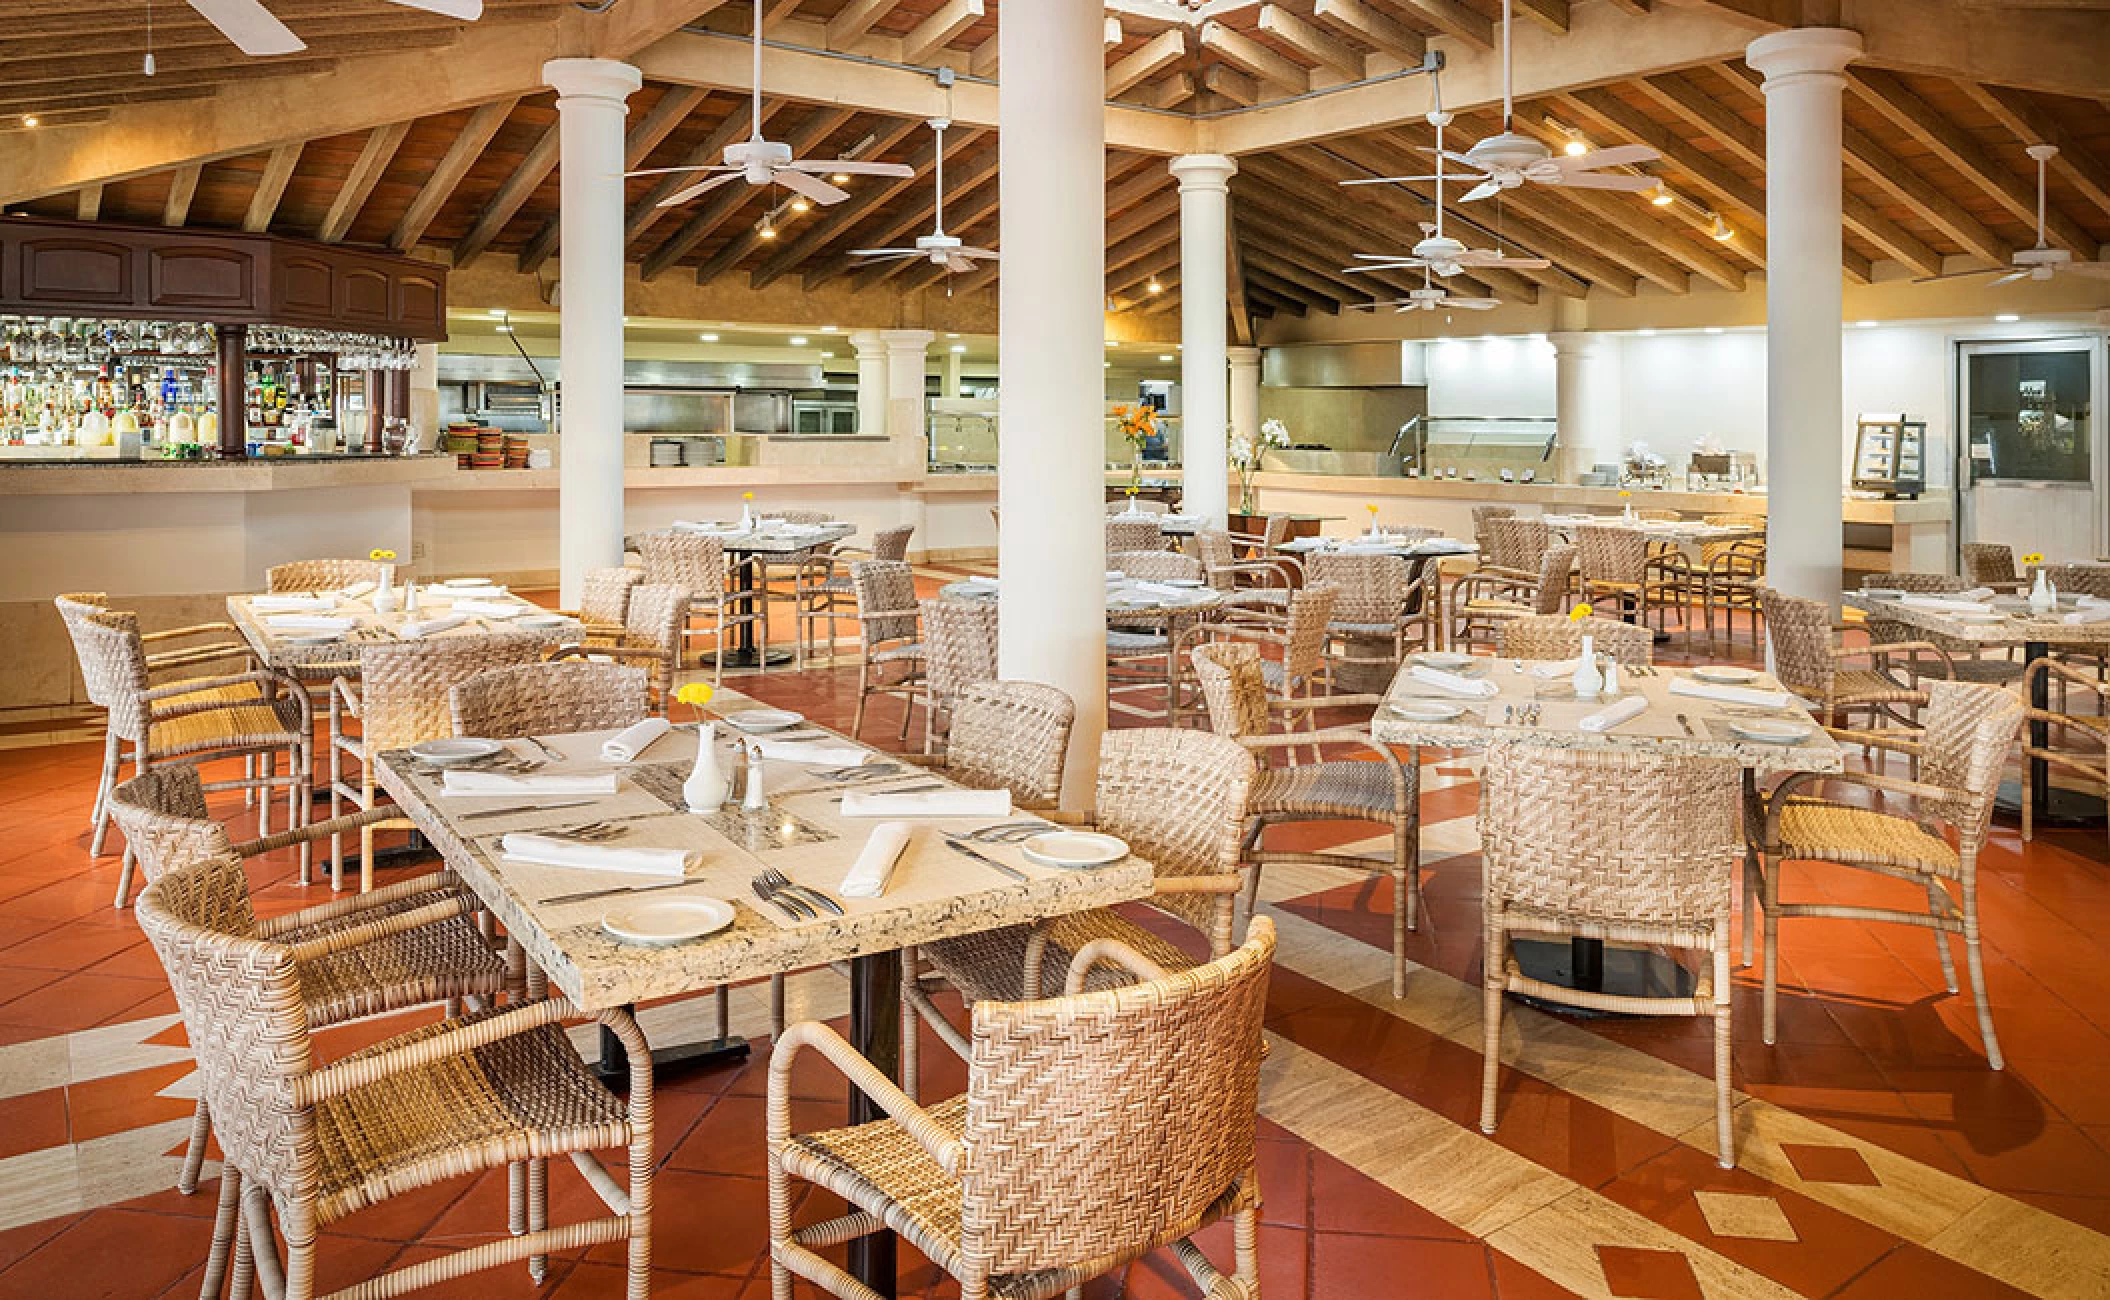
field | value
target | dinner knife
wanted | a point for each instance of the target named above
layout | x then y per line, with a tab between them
986	860
522	812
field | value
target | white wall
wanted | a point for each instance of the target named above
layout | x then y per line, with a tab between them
1491	376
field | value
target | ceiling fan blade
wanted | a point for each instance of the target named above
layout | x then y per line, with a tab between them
468	10
1961	275
959	265
1600	181
1473	304
700	187
851	167
887	254
250	26
1619	155
1454	156
2012	276
1386	180
1485	189
969	251
1483	257
672	171
1380	267
812	187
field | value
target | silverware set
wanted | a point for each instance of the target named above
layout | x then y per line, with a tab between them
1686	722
959	845
525	809
924	788
859	773
554	755
588	894
1526	715
796	901
1003	832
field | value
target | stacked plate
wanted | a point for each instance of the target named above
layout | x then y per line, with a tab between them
666	453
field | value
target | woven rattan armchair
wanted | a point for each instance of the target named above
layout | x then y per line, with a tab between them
549	699
1550	636
1617	564
402	697
1179	799
654	627
1256	587
824	591
1961	751
1511	547
2090	758
1096	1127
1483	517
257	715
699	565
1297	667
1991	564
444	1101
1386	791
959	652
2080	579
604	603
1376	600
324	575
1730	575
1489	597
1837	682
1136	641
887	619
1625	847
408	945
1133	534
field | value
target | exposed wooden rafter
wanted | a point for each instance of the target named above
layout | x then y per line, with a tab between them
270	188
374	156
476	133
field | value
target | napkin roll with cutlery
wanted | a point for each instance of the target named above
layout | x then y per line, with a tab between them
1615	713
487	608
418	628
1754	696
555	851
294	602
474	785
818	753
310	623
1453	683
932	803
875	862
633	740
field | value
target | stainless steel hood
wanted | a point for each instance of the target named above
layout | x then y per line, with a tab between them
462	367
1345	365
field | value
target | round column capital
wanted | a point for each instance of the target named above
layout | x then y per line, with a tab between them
1243	356
1204	171
867	340
902	341
606	79
1577	343
1798	53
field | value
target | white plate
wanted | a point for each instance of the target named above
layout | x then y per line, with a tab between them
1769	732
1447	660
467	584
663	921
1724	675
1428	710
759	720
1070	849
461	749
542	621
1183	582
311	638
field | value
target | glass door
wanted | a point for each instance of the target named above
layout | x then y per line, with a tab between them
2031	450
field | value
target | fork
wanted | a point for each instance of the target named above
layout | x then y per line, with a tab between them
797	911
1002	832
779	883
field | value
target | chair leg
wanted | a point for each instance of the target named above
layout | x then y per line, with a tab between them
538	1212
1938	904
776	1007
1725	1141
1493	980
1751	888
263	1244
1976	964
124	876
241	1268
1400	907
911	1023
194	1154
112	760
223	1230
366	832
1769	885
864	693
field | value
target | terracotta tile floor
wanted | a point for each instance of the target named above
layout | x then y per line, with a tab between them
1879	1155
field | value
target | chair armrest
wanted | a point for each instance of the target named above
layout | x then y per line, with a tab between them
317	830
1777	801
1226	882
1911	650
195	629
867	1078
203	654
338	908
340	1077
192	686
381	927
607	652
345	691
1248	632
1307	703
1109	952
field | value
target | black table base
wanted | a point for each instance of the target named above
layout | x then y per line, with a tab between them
875	1033
2059	809
613	1069
1587	965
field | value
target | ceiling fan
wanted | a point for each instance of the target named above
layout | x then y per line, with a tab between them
1506	160
939	248
2043	261
1429	297
1438	252
257	33
769	162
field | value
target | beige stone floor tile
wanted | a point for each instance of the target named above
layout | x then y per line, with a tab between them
1745	1214
1561	1241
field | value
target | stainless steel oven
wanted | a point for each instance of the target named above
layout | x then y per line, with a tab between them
809	416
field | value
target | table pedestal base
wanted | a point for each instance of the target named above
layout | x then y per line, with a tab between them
2062	810
613	1069
1586	964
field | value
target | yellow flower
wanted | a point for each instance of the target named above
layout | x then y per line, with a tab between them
1371	508
696	693
1623	492
747	496
379	553
2033	557
1579	613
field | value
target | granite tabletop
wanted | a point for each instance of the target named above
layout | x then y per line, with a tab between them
769	538
2005	621
1685	532
310	652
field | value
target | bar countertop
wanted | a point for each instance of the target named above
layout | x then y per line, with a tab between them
100	477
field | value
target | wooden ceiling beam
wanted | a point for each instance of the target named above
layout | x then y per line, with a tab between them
908	223
1454	19
1373	27
834	223
204	62
453	165
1286	222
183	187
270	188
1131	182
1133	234
818	126
936	32
88	203
374	156
1270	300
534	169
1234	84
854	20
1286	285
1549	14
1312	41
1253	58
99	88
2016	111
1234	284
1145	61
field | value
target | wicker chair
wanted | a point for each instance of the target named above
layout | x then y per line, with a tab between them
409	945
604	603
1138	639
1730	576
2080	579
1096	1127
1991	564
1512	547
1179	799
324	575
1483	518
402	697
654	625
1376	600
1256	587
824	590
887	619
1386	792
2090	759
959	652
1488	598
549	699
698	565
1960	753
1625	847
1966	659
1617	564
1299	666
1558	636
1816	667
255	715
443	1101
1132	534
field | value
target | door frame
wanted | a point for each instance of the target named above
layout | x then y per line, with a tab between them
2095	344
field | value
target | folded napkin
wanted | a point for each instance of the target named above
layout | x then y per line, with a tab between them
489	609
418	628
551	851
932	803
1948	604
690	526
817	752
1165	589
294	602
1555	669
357	589
2088	614
1751	695
1452	683
1613	714
466	784
875	862
310	623
633	740
1976	593
1177	518
1115	575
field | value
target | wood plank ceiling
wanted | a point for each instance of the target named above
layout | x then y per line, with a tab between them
1934	166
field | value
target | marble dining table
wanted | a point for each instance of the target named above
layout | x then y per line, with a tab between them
764	540
310	653
1682	532
935	892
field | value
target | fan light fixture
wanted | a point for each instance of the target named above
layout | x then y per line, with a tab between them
1723	232
1662	197
1154	286
29	120
766	230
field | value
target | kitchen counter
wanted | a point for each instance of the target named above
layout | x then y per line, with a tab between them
75	477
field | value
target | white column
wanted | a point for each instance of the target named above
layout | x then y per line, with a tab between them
1051	484
590	110
871	381
1245	390
1586	396
1205	194
1805	405
907	357
953	369
425	395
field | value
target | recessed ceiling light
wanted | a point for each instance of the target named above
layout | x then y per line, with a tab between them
801	205
29	120
798	340
1714	329
1647	334
840	178
1112	343
831	329
2007	318
959	347
1164	356
1864	324
498	314
952	334
1108	364
1154	286
504	329
708	338
827	356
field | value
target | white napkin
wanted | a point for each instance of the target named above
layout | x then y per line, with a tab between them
2088	614
1948	604
418	628
1555	669
1976	593
1452	683
467	784
2093	602
816	752
1115	575
1751	695
293	602
715	529
633	740
932	803
1611	715
310	623
357	589
875	862
1162	589
550	851
489	608
1177	518
466	588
